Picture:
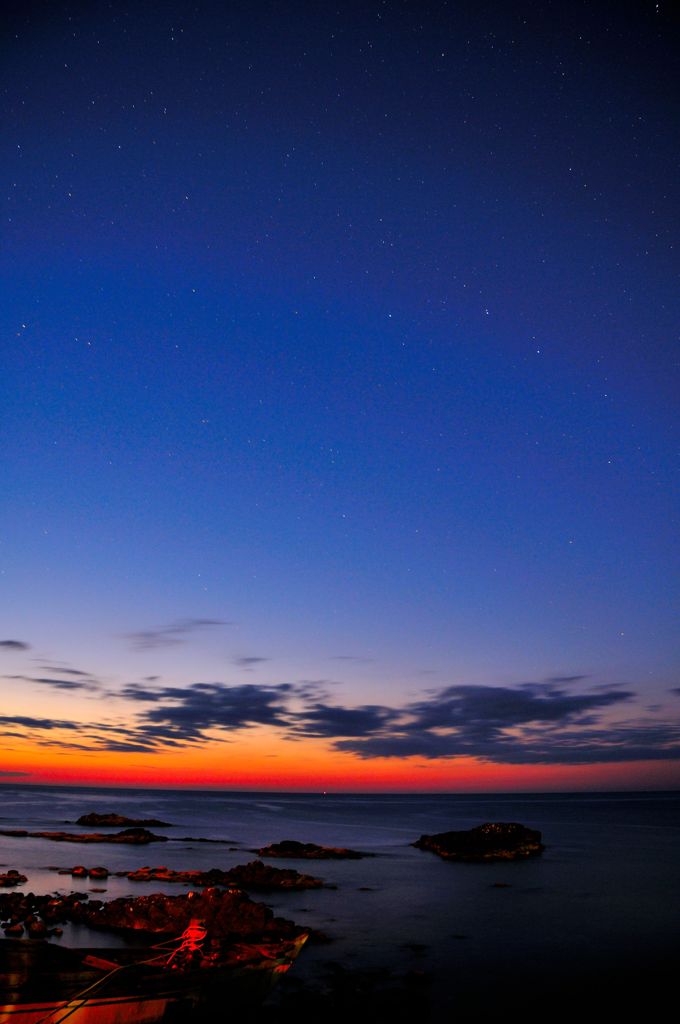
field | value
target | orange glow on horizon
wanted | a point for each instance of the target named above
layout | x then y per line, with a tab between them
311	767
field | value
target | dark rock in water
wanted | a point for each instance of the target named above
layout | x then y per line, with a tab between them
309	851
36	928
119	821
133	836
10	878
257	875
99	873
225	914
254	875
200	839
79	871
14	930
488	842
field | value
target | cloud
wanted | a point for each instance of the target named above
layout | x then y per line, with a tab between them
174	633
533	723
6	774
248	661
67	671
325	720
59	684
14	645
350	657
185	713
565	679
28	722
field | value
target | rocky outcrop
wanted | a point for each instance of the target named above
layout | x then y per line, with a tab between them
254	875
133	836
119	821
79	871
11	878
226	914
309	851
489	842
18	909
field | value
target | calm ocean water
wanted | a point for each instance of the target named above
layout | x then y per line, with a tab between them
603	897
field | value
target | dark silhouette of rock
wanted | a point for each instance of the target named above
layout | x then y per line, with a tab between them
119	821
488	842
309	851
10	878
99	873
227	914
254	875
199	839
133	836
36	928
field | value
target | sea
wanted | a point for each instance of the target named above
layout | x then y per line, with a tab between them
592	923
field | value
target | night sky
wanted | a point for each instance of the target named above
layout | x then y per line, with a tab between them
338	402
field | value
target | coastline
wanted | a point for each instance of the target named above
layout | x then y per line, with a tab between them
588	924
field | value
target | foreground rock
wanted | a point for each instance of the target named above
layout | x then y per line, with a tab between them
309	851
133	836
18	909
11	878
226	914
488	842
119	821
254	875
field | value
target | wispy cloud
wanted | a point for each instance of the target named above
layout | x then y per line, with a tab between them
249	661
174	633
350	657
547	722
60	684
14	645
185	713
29	722
67	671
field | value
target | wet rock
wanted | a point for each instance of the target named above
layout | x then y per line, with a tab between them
36	928
254	875
132	836
226	914
79	871
489	842
18	907
194	839
11	878
309	851
99	873
14	929
119	821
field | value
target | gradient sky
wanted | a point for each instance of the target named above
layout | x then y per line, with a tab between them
338	392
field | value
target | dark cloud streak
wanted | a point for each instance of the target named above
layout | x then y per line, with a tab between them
174	633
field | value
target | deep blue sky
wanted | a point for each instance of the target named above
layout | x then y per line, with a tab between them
354	326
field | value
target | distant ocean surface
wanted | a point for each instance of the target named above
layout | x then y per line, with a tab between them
600	903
